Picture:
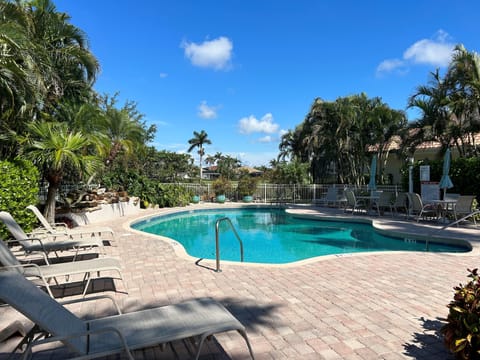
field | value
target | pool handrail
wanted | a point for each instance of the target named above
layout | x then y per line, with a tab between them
217	242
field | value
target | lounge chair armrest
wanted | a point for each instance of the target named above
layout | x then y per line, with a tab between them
44	252
86	333
30	265
61	224
97	297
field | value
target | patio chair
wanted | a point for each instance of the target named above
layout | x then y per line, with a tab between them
331	198
354	203
61	229
47	272
47	244
384	202
115	334
400	203
463	207
417	207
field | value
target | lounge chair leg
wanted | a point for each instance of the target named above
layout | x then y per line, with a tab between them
87	275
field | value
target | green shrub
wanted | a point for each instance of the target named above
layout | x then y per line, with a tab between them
462	331
18	189
247	185
221	186
170	195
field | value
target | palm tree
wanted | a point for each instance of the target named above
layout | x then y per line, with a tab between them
120	133
67	67
53	148
44	61
463	80
198	140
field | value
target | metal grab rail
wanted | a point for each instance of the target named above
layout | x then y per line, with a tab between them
217	242
476	212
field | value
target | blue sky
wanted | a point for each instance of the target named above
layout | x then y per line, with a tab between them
246	71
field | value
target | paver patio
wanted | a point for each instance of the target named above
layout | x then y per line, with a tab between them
364	306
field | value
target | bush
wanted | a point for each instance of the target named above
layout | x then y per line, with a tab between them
221	186
247	185
18	189
462	331
170	195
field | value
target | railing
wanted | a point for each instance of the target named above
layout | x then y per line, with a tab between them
217	241
476	212
283	193
265	193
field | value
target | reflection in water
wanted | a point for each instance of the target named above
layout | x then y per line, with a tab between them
273	236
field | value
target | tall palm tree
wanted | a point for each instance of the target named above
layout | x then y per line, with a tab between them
53	148
44	61
199	139
463	80
120	132
67	66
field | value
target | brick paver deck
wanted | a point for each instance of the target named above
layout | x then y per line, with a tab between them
370	306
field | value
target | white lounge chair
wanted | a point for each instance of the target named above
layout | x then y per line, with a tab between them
61	229
47	244
47	272
120	333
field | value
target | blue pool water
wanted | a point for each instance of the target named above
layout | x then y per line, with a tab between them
275	237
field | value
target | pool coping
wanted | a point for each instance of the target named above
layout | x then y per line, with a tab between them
391	226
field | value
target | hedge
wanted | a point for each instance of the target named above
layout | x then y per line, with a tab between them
18	188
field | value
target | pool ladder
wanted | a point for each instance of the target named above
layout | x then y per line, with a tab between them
217	241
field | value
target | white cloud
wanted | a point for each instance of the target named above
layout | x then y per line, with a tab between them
436	52
390	65
251	124
429	52
215	53
207	112
163	75
265	139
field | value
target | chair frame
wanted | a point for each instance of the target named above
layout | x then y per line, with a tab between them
47	272
48	243
200	318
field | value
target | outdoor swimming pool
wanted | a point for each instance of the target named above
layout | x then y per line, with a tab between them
273	236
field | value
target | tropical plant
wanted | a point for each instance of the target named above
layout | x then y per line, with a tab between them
247	185
462	330
44	62
198	141
120	133
221	186
335	137
449	106
53	148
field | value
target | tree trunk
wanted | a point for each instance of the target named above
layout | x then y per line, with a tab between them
49	211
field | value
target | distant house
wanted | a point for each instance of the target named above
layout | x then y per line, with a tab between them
210	172
250	170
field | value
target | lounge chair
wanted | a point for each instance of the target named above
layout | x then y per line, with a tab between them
47	244
120	333
61	229
47	272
